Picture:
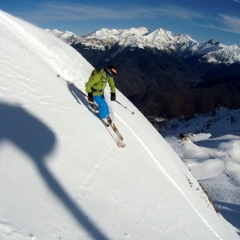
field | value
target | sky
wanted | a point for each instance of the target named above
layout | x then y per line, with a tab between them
63	177
202	20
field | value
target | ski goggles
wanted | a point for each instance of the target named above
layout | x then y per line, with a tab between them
111	72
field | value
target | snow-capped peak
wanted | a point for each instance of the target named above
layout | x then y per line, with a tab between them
121	32
211	51
213	42
107	38
66	36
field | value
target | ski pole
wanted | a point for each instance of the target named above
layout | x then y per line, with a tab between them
93	105
72	84
124	106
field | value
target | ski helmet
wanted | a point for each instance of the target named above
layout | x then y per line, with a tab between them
111	70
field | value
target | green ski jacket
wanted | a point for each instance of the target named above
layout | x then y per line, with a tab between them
98	81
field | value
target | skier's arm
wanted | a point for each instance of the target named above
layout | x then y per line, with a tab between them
92	80
112	85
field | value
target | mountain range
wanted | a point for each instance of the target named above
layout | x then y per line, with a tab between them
165	74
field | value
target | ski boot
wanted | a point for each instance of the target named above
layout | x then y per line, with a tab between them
107	121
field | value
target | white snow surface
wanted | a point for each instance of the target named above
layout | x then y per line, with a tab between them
61	174
212	153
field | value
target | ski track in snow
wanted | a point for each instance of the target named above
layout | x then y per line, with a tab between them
169	177
96	168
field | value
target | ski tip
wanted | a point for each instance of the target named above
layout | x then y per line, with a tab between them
121	145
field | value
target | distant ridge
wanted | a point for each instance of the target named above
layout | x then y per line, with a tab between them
161	39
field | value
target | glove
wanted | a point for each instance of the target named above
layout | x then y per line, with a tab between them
113	97
90	97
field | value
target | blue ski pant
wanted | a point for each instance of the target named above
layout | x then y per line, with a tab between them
102	106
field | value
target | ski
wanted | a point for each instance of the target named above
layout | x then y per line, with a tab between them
112	129
115	136
116	131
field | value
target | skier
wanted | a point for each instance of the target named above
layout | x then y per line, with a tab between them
95	90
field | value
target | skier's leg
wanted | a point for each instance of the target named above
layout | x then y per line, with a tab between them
102	105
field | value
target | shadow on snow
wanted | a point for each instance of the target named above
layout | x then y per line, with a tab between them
230	212
37	140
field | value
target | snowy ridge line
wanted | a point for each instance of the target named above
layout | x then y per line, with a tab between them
169	178
25	35
44	52
161	39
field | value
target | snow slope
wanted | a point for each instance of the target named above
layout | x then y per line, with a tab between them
61	174
213	156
